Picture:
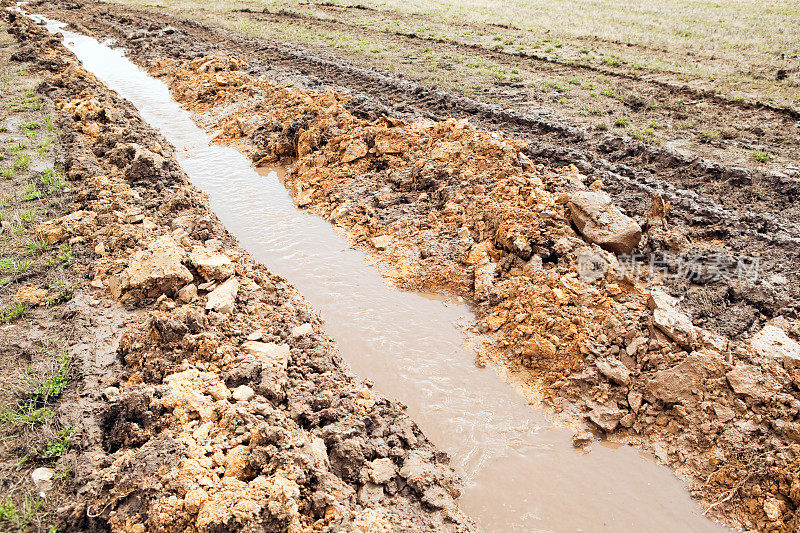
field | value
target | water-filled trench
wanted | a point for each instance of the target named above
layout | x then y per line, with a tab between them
520	473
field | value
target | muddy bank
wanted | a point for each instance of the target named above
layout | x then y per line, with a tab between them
723	211
229	407
446	207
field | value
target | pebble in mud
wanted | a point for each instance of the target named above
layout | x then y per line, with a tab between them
242	393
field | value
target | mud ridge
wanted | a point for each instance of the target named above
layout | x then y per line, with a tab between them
231	408
673	87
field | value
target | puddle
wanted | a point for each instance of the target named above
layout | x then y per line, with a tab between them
520	474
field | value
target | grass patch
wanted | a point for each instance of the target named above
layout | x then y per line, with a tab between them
761	157
60	445
12	312
32	192
22	162
37	245
622	122
54	382
19	519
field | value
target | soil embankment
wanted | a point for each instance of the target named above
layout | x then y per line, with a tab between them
205	394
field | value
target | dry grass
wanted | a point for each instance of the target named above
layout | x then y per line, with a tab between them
736	48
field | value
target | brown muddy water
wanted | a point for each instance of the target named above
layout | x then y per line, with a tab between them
520	473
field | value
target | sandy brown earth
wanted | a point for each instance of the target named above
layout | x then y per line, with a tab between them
693	354
449	207
205	395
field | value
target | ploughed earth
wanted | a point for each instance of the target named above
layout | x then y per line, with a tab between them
633	308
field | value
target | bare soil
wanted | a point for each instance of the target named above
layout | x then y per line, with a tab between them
197	403
449	206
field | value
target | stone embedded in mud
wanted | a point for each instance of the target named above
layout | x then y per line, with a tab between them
355	150
614	370
43	479
582	438
606	416
212	266
602	223
381	242
681	383
774	343
71	225
772	508
188	294
223	298
675	324
31	295
480	259
382	470
269	354
634	400
243	393
302	329
438	498
366	400
154	271
749	380
539	347
237	463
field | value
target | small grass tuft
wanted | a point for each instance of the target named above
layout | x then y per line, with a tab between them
12	312
37	245
60	445
761	157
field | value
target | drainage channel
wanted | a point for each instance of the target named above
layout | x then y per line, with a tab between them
520	473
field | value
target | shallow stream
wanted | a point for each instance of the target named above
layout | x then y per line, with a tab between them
520	473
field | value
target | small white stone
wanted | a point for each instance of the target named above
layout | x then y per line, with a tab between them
243	393
43	479
303	329
382	470
256	335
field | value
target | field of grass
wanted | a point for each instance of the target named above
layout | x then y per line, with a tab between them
738	48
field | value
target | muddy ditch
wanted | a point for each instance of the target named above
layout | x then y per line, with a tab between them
514	468
447	207
214	400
